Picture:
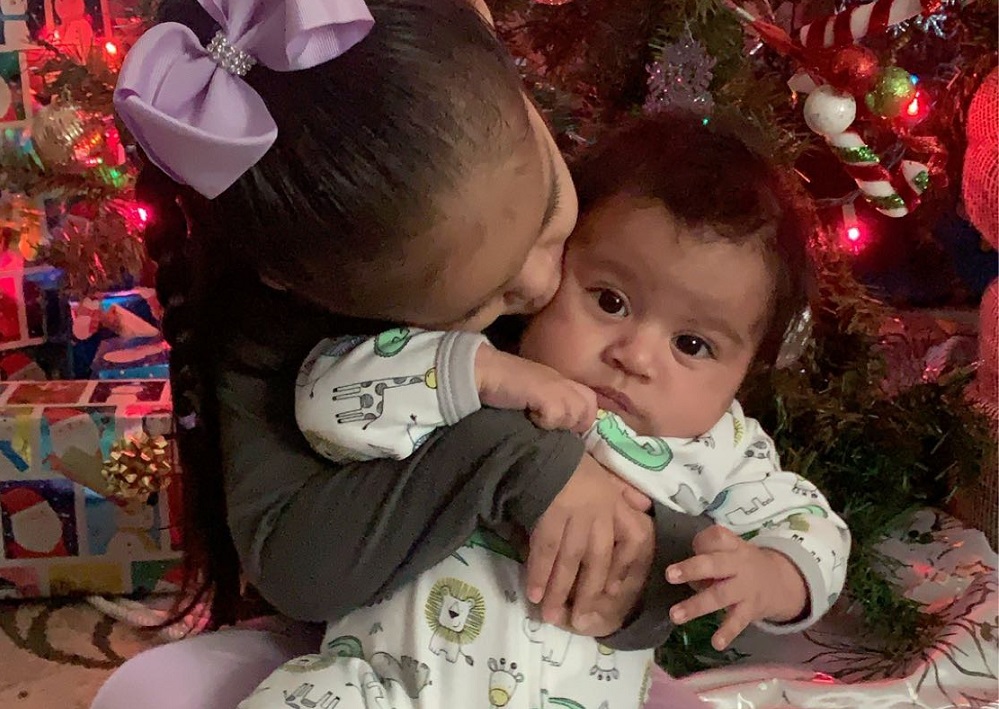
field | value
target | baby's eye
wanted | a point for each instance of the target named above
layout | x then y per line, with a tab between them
612	302
693	346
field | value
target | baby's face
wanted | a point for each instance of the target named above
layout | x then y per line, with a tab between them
662	324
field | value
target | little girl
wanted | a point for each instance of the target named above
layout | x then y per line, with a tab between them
320	168
686	266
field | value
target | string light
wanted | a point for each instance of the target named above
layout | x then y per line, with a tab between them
135	214
918	109
854	237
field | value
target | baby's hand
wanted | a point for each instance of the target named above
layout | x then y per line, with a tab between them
752	583
506	381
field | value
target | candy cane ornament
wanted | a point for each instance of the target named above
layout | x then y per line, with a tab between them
848	26
830	113
892	195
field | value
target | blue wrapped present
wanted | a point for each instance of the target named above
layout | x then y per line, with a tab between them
124	314
132	358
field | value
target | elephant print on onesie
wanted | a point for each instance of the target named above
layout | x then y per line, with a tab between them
456	612
553	640
743	503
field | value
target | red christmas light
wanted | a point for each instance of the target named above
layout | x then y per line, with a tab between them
853	236
917	110
135	214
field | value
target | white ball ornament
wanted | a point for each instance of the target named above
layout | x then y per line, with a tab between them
828	111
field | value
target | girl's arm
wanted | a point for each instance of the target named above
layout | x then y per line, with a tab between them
319	540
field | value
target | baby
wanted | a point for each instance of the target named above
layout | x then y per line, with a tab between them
685	269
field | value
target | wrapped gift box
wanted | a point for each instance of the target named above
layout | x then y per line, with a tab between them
132	358
33	309
125	314
60	534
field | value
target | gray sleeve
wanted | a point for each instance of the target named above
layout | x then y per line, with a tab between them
319	540
649	625
457	393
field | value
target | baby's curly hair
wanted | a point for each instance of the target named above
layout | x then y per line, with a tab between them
707	174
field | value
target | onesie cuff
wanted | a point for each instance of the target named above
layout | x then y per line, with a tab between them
817	603
457	394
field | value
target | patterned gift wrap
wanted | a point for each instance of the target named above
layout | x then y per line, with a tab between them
61	535
944	565
121	314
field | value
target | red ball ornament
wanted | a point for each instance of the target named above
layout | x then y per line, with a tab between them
853	69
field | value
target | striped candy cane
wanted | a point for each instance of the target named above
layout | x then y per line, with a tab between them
848	26
893	195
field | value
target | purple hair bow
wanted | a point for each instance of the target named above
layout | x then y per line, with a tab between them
188	106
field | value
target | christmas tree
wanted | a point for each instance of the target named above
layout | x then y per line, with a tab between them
67	181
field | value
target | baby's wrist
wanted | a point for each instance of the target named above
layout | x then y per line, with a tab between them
791	592
493	375
484	357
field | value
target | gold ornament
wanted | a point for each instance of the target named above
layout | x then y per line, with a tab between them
137	467
63	135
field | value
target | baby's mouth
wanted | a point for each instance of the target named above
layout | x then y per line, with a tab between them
614	400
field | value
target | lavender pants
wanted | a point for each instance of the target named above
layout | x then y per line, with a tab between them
218	670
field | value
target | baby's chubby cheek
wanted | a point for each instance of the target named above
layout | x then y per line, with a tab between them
687	418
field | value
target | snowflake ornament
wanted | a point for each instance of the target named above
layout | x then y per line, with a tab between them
680	78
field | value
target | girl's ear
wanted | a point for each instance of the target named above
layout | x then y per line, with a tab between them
273	282
483	10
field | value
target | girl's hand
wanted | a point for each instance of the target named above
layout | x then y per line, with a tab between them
506	381
591	532
751	583
609	610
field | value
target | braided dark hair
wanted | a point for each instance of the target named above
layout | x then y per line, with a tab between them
366	143
209	551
